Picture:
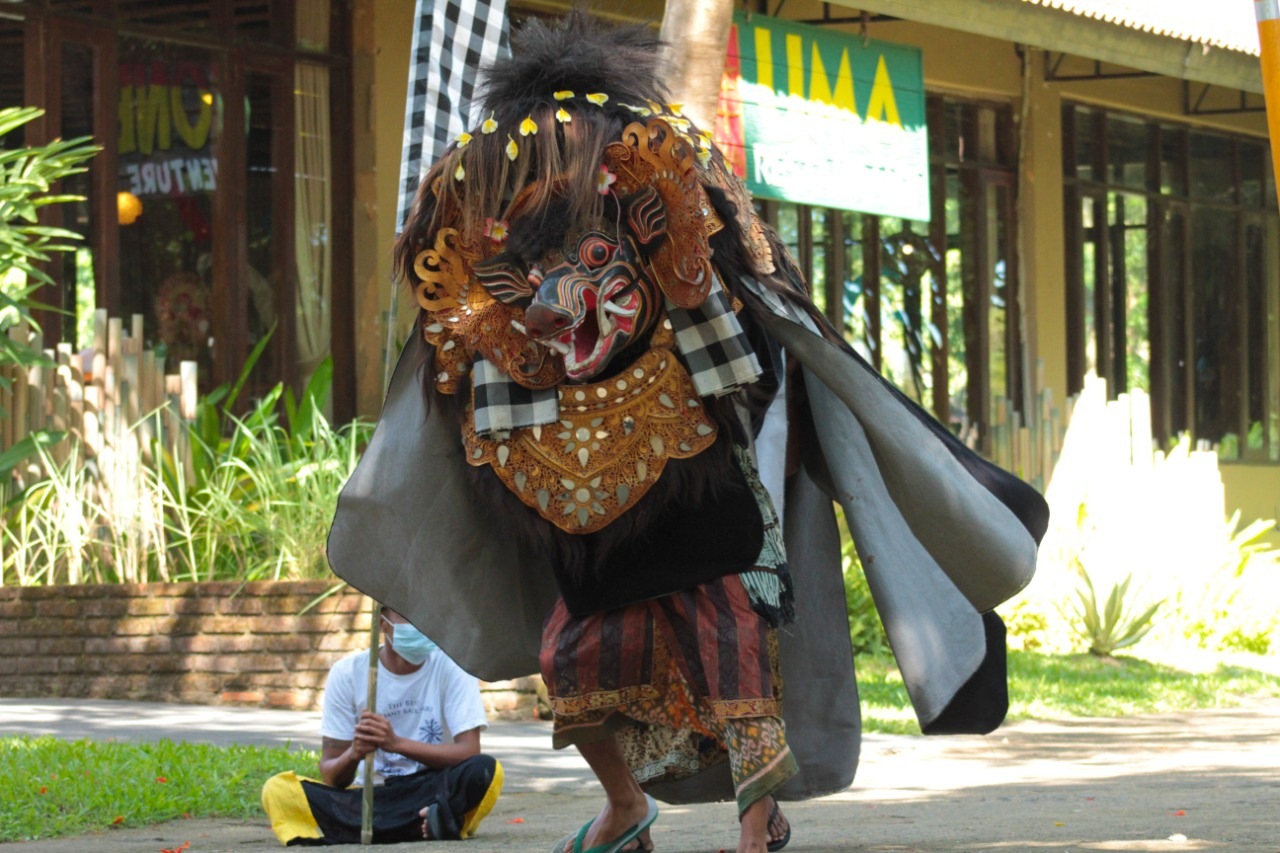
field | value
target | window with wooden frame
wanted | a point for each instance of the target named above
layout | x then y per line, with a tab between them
219	208
1173	275
932	305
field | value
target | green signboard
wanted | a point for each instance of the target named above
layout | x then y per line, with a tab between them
823	118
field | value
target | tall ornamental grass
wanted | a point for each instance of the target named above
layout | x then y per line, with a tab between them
254	503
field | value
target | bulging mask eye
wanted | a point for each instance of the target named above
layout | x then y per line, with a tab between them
595	251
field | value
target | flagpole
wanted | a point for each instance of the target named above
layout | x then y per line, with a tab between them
1268	15
366	817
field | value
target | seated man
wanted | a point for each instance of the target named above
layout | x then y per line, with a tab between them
432	780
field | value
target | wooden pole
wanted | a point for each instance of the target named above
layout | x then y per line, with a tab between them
1268	15
366	817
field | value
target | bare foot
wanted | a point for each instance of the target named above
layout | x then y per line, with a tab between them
753	836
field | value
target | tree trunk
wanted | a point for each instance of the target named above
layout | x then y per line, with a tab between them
697	34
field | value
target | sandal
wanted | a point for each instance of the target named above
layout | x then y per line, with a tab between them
572	843
778	843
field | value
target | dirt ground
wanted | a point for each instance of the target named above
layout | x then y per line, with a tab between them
1206	780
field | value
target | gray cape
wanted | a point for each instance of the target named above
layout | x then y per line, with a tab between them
943	537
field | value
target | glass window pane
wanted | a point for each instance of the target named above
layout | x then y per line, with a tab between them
1089	267
1173	160
957	361
76	269
789	227
1088	152
262	188
313	25
80	7
252	20
1216	348
953	130
1130	227
313	212
183	14
1271	272
1212	177
985	131
1252	173
855	319
818	274
1126	152
904	266
1174	261
12	77
170	119
1261	342
999	206
1270	198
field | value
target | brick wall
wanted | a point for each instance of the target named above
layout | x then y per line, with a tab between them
199	643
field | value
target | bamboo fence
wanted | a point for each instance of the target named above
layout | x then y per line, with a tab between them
1029	443
114	399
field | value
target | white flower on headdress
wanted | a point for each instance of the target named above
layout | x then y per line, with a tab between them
513	150
528	126
597	98
563	95
675	109
459	173
463	139
489	125
644	112
605	179
562	116
496	229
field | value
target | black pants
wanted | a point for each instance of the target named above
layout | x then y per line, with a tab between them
396	805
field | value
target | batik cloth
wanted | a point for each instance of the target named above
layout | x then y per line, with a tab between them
685	682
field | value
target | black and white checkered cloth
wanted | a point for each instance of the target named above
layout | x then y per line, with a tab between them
453	40
502	405
710	338
714	346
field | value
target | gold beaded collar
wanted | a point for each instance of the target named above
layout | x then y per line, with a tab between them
609	446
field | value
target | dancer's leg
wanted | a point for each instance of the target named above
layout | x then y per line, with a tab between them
625	803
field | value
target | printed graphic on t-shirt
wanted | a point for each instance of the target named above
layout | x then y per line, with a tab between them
431	730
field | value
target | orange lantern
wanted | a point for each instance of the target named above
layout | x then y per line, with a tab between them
128	207
1268	15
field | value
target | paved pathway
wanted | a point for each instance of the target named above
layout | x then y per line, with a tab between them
1207	780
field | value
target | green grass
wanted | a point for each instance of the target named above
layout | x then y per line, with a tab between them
54	787
1052	686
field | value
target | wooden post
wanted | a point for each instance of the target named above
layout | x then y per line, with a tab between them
1267	13
366	818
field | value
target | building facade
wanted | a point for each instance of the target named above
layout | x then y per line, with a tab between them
1099	187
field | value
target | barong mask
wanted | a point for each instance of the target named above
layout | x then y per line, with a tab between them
590	299
564	285
561	254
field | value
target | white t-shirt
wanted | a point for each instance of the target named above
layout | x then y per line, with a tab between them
428	705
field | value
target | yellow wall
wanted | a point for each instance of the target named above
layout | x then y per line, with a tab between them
1255	491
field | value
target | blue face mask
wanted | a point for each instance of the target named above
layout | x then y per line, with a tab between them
410	643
